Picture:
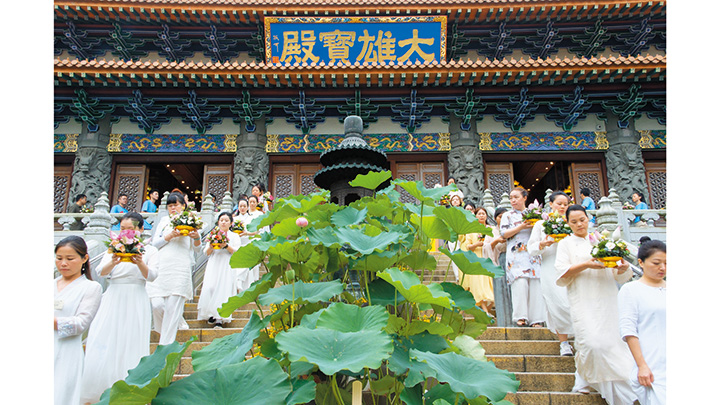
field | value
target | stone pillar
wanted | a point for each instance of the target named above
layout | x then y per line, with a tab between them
93	163
623	158
465	162
251	163
98	227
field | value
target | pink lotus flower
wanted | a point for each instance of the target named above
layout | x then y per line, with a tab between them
594	238
545	216
535	204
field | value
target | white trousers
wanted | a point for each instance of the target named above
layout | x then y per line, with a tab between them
167	315
527	300
616	392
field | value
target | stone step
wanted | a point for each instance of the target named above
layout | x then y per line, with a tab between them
533	363
527	347
555	398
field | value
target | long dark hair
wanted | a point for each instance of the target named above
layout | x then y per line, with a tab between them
649	247
498	213
80	247
260	187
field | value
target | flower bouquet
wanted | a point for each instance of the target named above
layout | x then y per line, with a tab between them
87	209
627	206
126	244
555	226
186	221
216	237
445	200
608	250
237	226
532	213
191	206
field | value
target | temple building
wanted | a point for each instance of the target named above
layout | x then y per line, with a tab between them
214	95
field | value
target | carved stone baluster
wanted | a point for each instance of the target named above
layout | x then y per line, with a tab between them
98	228
162	208
207	205
606	216
548	193
505	201
488	203
227	202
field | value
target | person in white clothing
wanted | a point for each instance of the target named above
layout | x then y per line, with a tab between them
120	334
642	305
241	274
77	299
601	357
173	285
219	279
523	269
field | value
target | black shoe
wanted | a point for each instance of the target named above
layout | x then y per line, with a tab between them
211	319
218	325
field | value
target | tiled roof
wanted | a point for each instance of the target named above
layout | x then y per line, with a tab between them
464	72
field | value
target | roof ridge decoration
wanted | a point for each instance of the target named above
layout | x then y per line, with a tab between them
467	108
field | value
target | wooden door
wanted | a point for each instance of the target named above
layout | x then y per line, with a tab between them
499	179
130	180
293	179
656	173
587	175
430	173
63	177
217	179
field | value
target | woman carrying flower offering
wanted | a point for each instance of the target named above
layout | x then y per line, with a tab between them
238	226
186	221
262	195
77	299
245	278
120	334
523	270
176	257
601	357
481	287
643	325
219	281
556	300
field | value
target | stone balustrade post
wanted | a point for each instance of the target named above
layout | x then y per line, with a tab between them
162	208
606	215
98	227
488	203
548	193
615	199
505	201
207	211
227	202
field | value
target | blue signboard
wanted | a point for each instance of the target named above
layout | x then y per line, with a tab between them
350	40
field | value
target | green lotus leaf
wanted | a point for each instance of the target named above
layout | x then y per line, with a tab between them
461	373
461	221
401	363
435	328
333	351
352	318
152	373
306	204
441	401
417	190
304	292
470	263
395	325
440	392
412	395
303	392
286	227
384	293
300	368
323	236
267	240
310	320
381	206
270	350
469	347
386	385
365	241
247	256
230	349
348	216
432	226
229	385
462	298
293	251
408	284
375	262
420	260
257	288
372	180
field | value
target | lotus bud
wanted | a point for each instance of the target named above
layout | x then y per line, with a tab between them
302	222
616	234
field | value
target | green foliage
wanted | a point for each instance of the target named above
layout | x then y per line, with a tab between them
346	298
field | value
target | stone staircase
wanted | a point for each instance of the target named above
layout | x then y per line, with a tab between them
546	378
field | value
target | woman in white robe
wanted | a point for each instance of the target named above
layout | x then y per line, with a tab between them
253	274
601	357
494	248
643	325
120	334
77	299
219	279
173	285
241	274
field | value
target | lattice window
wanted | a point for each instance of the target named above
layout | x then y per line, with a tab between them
307	184
130	185
62	186
499	183
404	195
283	186
658	183
592	182
217	186
431	179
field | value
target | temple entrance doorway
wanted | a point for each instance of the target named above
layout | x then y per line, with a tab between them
538	172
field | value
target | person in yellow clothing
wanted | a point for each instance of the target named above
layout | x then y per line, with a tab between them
481	287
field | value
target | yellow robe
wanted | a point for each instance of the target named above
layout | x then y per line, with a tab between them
481	287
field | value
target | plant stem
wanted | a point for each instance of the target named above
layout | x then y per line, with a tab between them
336	390
292	306
457	398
